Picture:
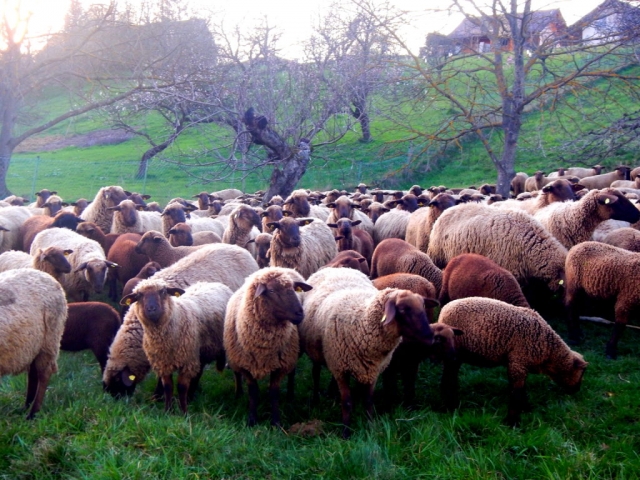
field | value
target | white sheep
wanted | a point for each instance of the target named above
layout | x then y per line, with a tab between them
343	207
392	225
11	219
88	263
34	311
127	218
97	211
51	260
182	330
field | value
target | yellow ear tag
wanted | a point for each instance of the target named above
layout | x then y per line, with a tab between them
66	254
132	377
128	301
384	317
607	201
177	294
298	289
561	282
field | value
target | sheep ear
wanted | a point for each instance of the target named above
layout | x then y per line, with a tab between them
385	209
355	205
127	193
67	252
287	213
332	225
175	292
304	221
606	199
579	363
173	231
264	214
127	300
65	204
3	229
431	303
82	266
301	287
331	205
146	197
356	222
116	208
457	332
260	289
389	312
576	187
339	237
111	264
273	225
253	240
361	260
140	208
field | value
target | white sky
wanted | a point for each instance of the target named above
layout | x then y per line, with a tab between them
292	17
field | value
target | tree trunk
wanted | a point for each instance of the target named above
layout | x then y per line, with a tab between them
5	160
359	112
148	155
286	176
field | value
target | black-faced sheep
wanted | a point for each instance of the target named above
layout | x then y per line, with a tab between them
397	256
34	311
349	238
353	328
182	331
260	334
606	273
90	326
304	244
472	275
496	333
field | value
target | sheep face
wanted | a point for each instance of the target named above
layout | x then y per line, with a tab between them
559	191
273	213
79	206
343	207
612	204
57	258
149	243
95	272
444	344
152	302
278	296
120	384
374	211
149	270
442	201
138	198
203	200
416	190
175	213
180	235
88	229
288	230
43	195
568	374
66	220
127	212
113	196
407	310
263	243
298	203
246	217
53	205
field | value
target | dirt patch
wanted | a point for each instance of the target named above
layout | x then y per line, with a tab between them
48	143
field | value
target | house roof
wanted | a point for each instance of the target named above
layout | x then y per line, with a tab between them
479	26
606	8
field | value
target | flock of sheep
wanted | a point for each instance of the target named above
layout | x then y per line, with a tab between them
350	279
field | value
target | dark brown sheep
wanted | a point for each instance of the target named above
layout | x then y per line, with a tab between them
123	252
34	225
273	213
473	275
145	272
350	259
349	238
180	235
94	232
90	326
154	246
407	202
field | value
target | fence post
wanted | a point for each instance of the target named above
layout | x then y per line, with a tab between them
35	177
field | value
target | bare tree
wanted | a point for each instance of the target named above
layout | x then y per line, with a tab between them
504	62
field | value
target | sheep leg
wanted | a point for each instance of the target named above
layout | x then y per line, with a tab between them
573	316
252	387
409	374
518	396
368	399
347	404
167	385
237	378
43	381
193	385
611	349
274	396
449	384
32	384
315	374
184	385
390	384
291	385
158	393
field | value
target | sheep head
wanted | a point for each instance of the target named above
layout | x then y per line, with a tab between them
406	310
152	300
277	294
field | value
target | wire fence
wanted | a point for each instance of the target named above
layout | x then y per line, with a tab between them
163	180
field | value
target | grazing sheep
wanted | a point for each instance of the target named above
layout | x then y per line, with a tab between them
606	273
604	180
350	259
397	256
145	272
559	190
182	330
627	238
97	211
304	244
90	326
343	207
572	223
243	226
157	248
353	328
584	172
422	220
349	238
260	336
88	263
496	333
514	240
472	275
11	219
128	219
180	236
51	260
34	311
34	225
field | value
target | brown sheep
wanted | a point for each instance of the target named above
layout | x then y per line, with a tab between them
273	213
343	207
180	236
154	246
145	272
94	232
604	180
349	238
397	256
373	210
90	326
263	244
34	225
79	206
517	183
627	238
422	220
350	259
123	252
473	275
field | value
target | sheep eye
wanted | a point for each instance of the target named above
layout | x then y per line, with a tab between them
272	291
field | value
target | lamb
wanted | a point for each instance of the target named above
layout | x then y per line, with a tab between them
263	243
34	225
349	238
572	223
51	260
604	180
260	336
343	207
90	326
514	240
392	225
472	275
128	219
227	264
96	212
34	311
344	306
158	249
607	273
243	226
11	218
305	249
496	333
397	256
183	333
350	259
180	236
89	266
422	220
627	238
